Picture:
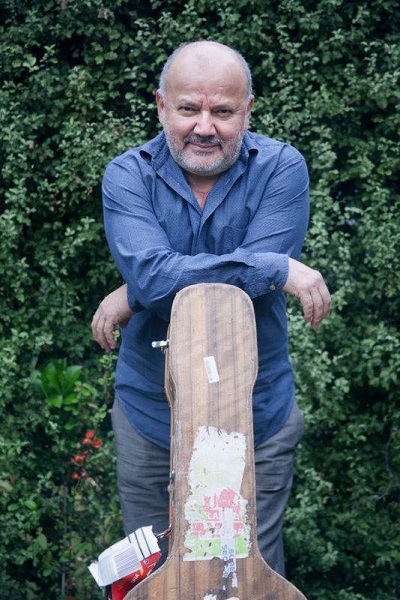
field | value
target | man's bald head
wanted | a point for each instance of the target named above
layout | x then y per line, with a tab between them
204	53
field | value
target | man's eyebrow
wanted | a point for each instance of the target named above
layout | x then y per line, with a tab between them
225	104
186	101
229	105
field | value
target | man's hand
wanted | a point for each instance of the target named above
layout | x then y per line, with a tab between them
112	311
309	287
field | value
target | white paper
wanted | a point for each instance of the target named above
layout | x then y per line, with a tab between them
124	557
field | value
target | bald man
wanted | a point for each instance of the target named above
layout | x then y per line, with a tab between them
205	201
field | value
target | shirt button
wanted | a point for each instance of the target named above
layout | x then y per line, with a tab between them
272	287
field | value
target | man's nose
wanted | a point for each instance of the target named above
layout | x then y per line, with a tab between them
204	124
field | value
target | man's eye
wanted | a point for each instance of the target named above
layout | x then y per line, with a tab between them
224	112
187	109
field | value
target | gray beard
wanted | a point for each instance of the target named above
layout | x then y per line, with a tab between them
214	166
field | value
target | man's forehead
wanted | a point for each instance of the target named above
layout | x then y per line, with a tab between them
213	99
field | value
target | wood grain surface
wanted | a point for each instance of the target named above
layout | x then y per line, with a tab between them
211	367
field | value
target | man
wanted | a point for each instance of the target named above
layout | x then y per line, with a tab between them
205	201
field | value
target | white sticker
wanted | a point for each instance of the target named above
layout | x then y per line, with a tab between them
214	597
211	369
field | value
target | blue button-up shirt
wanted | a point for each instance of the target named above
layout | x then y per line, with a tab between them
255	216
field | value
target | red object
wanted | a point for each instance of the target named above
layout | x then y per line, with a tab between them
120	588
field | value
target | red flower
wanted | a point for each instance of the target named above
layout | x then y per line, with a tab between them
79	459
75	476
96	443
90	434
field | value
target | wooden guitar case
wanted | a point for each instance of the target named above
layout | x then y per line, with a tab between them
211	367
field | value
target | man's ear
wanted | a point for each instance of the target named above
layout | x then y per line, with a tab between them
249	108
160	106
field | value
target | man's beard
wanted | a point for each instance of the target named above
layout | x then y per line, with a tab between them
214	166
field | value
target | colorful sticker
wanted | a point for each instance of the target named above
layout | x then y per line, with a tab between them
215	510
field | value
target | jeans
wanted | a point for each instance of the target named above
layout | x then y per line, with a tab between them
143	477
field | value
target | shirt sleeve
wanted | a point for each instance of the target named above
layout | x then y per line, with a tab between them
155	272
280	223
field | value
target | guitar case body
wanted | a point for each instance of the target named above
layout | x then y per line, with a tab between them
211	368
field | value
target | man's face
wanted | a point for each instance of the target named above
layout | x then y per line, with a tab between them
205	113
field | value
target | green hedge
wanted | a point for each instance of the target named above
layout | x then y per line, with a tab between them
78	80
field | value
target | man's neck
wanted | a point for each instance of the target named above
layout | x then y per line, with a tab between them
201	186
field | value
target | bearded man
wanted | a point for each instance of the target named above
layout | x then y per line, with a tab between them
206	201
